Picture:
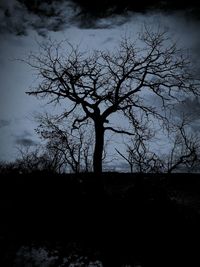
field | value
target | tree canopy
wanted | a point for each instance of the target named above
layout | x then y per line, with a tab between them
101	83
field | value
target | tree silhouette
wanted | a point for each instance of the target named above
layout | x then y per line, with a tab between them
184	151
38	159
100	84
73	150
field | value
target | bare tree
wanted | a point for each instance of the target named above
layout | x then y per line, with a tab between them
8	168
185	151
100	84
73	149
141	160
37	159
138	153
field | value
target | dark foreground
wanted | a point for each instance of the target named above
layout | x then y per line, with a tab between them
124	220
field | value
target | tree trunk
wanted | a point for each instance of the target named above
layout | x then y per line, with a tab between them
98	149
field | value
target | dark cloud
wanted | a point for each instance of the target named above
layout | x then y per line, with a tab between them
24	139
18	16
190	107
107	7
25	142
91	12
4	123
107	40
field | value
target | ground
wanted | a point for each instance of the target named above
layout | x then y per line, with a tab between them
112	220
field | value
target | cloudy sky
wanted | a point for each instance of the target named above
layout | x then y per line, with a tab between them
92	24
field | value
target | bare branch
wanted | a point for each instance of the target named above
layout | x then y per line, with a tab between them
118	131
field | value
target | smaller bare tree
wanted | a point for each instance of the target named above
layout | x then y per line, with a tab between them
138	154
185	151
37	159
73	148
8	168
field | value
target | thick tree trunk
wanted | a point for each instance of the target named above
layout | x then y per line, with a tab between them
98	149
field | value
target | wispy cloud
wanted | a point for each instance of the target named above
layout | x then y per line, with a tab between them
4	123
189	107
25	142
25	139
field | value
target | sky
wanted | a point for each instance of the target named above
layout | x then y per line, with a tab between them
91	24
